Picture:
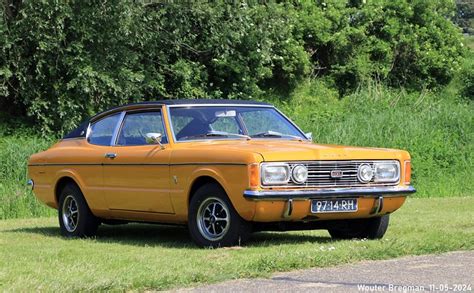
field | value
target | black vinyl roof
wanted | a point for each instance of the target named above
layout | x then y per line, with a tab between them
180	102
202	101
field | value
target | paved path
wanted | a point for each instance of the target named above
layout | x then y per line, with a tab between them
408	274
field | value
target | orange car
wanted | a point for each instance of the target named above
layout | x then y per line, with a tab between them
223	167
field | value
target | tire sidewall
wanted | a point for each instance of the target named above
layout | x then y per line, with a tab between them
87	222
238	230
377	227
370	228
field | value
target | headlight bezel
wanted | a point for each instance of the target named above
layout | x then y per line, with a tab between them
365	166
265	182
293	176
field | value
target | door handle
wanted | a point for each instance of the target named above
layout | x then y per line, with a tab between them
110	155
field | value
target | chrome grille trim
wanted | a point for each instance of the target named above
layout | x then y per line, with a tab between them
319	174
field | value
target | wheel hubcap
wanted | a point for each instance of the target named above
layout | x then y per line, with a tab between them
213	219
70	213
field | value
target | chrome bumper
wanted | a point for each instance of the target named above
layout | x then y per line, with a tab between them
328	193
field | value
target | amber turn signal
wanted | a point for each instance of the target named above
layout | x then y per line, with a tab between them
254	179
407	172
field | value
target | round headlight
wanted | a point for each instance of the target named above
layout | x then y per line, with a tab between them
365	173
300	174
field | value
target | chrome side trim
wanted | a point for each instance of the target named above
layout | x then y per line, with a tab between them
118	126
336	192
140	164
134	111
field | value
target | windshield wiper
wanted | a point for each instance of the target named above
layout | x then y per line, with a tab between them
223	133
217	133
271	133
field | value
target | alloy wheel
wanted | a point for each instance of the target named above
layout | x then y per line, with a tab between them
213	218
70	213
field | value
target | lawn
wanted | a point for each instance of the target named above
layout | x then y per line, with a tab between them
138	257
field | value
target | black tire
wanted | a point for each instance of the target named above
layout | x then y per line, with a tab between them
75	217
230	230
371	228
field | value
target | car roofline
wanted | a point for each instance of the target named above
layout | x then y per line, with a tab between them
179	103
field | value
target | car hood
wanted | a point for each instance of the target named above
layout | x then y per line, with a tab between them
284	150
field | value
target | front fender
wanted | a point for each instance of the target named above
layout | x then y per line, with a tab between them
233	179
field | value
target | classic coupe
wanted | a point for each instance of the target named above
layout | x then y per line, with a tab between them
224	168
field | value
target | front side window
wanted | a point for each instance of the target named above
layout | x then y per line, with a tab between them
136	125
224	122
101	132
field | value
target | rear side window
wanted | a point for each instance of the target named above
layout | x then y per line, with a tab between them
79	131
137	125
103	130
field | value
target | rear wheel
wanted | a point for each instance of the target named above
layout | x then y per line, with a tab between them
371	228
213	221
75	217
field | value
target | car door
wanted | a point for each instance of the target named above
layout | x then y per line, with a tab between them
89	160
136	173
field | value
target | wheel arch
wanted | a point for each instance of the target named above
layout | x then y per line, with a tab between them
60	184
245	208
200	181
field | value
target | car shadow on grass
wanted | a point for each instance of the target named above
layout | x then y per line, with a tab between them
171	236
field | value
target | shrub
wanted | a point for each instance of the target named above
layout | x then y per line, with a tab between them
63	61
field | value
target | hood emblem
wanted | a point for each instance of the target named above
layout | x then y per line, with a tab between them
336	174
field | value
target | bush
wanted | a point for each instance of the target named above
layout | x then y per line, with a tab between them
63	61
402	43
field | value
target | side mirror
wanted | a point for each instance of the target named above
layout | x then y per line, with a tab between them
154	138
309	136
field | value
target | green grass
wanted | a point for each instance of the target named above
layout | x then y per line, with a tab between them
16	199
138	257
437	128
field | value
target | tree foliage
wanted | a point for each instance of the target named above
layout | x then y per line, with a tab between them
64	60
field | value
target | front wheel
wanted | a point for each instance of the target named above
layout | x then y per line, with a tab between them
371	228
213	221
75	217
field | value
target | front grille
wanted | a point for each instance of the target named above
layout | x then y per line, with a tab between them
319	174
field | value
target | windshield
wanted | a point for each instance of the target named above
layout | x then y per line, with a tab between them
234	122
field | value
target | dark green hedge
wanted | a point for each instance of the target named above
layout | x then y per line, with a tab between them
63	60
